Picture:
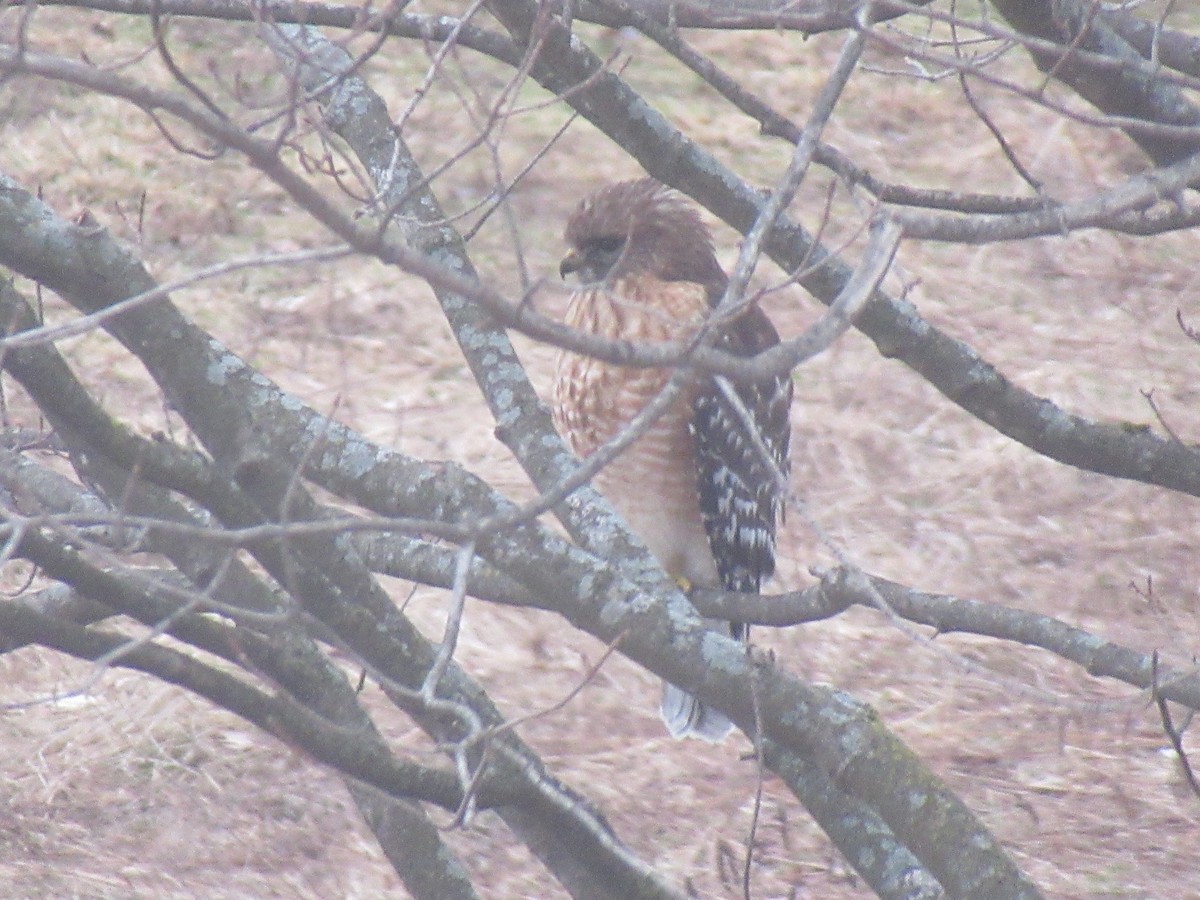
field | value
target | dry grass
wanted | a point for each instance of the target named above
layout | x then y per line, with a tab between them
135	790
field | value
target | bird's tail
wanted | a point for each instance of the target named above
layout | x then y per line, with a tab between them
688	717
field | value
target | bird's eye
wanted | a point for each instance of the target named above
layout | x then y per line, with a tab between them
609	244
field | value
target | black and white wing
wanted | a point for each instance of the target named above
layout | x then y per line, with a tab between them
741	498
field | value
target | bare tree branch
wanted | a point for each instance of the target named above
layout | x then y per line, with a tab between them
1174	733
1175	49
1150	196
947	614
808	16
1073	24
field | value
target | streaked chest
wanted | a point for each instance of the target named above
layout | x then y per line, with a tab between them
595	399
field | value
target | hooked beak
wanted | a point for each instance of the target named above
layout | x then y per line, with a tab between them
572	262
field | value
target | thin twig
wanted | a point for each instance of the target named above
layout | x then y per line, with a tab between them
802	155
1173	733
761	777
89	322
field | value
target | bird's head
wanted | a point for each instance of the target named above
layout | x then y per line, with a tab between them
639	228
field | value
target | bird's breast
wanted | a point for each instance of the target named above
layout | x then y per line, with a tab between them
653	482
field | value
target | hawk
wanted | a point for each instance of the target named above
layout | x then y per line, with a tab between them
694	487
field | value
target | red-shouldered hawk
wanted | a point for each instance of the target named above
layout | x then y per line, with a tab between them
694	486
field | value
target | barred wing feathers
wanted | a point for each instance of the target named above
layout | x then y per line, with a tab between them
741	500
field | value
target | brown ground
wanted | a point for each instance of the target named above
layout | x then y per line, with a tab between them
135	790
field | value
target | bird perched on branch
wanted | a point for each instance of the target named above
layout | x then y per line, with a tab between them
695	487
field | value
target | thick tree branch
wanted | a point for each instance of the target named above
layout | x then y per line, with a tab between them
808	16
1073	24
348	750
887	865
334	15
396	652
840	588
575	843
406	835
1177	50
